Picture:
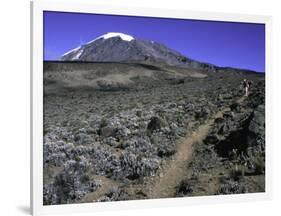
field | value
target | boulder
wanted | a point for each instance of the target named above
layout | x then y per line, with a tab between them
211	139
155	123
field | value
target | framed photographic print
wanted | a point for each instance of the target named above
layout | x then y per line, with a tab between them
141	107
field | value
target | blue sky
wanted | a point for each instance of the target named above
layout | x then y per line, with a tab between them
240	45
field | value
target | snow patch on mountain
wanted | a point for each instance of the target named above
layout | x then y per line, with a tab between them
78	54
108	35
116	34
73	50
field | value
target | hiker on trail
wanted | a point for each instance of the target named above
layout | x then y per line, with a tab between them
246	86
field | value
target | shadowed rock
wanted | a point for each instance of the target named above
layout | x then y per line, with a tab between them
155	123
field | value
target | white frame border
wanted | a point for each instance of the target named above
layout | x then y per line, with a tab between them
36	61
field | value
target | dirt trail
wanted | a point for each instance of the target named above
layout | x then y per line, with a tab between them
175	171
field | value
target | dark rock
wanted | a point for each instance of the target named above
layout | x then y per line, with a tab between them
211	139
139	113
234	134
219	120
155	123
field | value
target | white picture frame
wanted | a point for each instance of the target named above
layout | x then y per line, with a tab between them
37	8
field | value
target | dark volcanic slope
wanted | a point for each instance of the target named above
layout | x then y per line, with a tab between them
118	47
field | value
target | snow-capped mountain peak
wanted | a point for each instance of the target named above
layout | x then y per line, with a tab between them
77	51
120	47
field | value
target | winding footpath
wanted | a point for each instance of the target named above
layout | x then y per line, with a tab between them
174	172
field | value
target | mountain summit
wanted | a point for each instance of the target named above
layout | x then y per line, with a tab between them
120	47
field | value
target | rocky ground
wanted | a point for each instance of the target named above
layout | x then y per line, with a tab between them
115	131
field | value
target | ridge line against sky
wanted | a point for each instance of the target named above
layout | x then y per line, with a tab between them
225	44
